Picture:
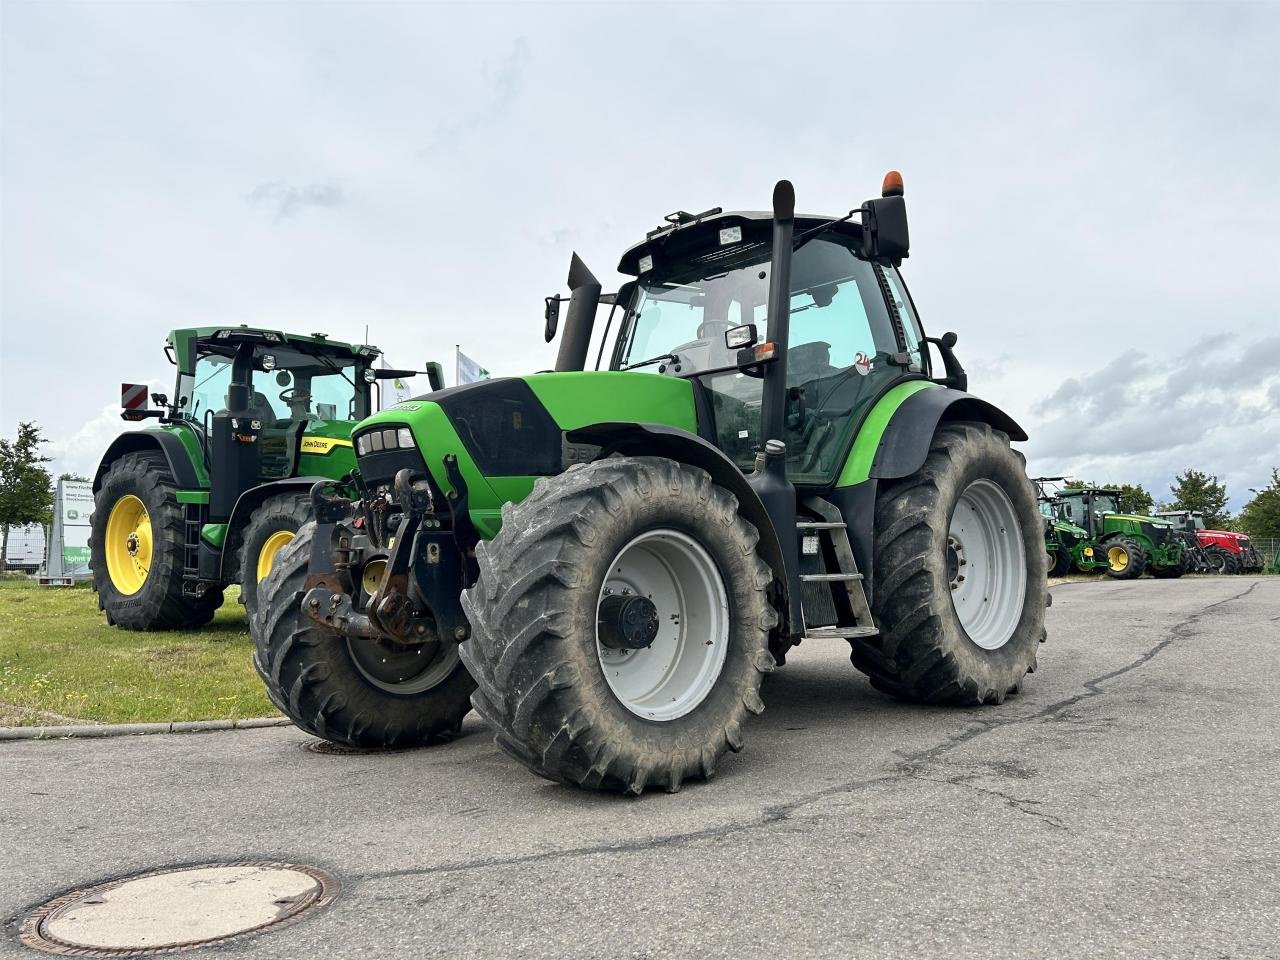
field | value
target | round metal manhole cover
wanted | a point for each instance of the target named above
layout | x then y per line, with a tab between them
179	908
329	748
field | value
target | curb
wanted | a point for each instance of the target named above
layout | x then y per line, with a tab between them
138	729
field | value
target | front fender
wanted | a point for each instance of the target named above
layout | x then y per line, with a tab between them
904	444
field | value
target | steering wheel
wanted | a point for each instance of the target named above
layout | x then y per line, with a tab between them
288	395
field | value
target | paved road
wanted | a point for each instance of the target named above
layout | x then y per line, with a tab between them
1125	805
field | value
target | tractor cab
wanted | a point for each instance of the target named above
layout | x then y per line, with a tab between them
1188	521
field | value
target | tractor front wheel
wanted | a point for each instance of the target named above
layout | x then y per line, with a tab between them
620	625
1060	562
1125	559
1222	560
960	589
137	546
355	691
270	529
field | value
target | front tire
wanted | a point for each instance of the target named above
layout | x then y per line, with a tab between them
137	547
1060	563
1221	561
1126	560
952	632
351	691
270	529
566	695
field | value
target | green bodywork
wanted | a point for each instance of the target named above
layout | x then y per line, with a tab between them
581	399
1059	533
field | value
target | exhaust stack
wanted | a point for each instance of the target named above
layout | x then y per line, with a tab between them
583	301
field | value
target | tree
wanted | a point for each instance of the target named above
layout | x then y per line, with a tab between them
1135	499
74	477
1261	515
1193	490
26	493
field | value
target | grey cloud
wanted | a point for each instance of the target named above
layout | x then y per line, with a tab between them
289	201
504	82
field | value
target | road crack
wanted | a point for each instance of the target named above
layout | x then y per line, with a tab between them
914	766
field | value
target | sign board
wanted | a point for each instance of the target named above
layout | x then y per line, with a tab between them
68	554
468	371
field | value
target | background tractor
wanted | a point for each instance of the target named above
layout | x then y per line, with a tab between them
1067	546
1216	551
766	458
1130	543
209	495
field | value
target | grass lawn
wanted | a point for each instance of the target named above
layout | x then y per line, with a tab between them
59	657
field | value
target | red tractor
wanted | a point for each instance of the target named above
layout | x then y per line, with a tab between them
1224	551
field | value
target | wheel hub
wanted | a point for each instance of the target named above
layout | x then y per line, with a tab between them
626	621
986	564
131	544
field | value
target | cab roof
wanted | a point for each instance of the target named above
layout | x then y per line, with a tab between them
183	341
678	238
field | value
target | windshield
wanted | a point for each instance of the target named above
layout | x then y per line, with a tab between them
839	354
1105	503
299	387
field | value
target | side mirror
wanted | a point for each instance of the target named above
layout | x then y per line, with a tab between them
435	375
735	338
884	229
552	316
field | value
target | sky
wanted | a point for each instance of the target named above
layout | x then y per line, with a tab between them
1092	190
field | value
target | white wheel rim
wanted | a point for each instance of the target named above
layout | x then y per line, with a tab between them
987	564
675	674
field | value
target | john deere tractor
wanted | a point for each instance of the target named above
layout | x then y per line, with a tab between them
1131	544
209	495
1067	546
606	563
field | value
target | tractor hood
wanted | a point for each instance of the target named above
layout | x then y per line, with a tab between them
1062	526
1134	518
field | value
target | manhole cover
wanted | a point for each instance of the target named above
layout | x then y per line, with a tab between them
342	750
179	908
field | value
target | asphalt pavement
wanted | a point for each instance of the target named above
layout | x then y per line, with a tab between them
1126	804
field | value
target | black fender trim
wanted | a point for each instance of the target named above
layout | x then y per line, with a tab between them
659	439
906	439
141	441
253	498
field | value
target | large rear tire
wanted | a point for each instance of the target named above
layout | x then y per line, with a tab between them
550	626
1126	559
137	546
960	588
270	529
351	691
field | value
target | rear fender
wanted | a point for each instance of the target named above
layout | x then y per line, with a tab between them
250	501
661	440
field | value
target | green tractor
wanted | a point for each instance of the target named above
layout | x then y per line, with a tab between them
607	563
1067	546
210	495
1131	544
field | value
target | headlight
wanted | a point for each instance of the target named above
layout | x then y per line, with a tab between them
362	445
268	362
405	436
370	375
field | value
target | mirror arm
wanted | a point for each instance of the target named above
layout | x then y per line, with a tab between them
956	377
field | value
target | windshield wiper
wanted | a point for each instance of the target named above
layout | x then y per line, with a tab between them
652	360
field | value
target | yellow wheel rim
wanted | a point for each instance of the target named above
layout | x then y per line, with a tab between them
128	544
371	579
267	555
1118	557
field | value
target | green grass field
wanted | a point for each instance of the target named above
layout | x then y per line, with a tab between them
59	657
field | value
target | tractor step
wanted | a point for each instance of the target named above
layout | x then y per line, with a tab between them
830	577
816	525
839	633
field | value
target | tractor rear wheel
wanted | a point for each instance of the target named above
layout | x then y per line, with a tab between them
354	691
1126	560
620	625
960	589
137	547
270	529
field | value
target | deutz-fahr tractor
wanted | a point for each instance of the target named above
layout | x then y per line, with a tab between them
1218	551
1131	544
766	458
1067	546
209	495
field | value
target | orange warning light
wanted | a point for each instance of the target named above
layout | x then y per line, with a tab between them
892	184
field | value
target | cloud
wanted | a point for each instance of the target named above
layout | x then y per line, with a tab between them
503	87
81	450
1142	416
289	201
